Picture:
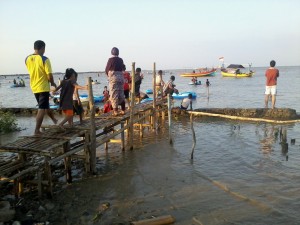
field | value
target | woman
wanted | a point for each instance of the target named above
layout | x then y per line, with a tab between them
114	68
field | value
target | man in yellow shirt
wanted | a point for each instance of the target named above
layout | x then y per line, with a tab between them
40	73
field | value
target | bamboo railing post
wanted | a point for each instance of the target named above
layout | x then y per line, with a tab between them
132	106
122	137
194	136
67	161
154	98
87	152
170	119
93	127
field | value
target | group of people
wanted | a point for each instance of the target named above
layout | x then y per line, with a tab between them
40	71
21	83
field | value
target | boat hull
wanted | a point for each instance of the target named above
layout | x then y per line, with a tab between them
202	74
225	74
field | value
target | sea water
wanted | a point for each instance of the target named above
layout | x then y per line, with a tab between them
240	174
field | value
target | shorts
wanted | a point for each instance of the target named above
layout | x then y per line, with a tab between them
271	90
42	99
68	112
77	108
126	93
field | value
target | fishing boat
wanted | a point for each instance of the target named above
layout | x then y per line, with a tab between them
146	100
17	85
234	70
183	95
203	72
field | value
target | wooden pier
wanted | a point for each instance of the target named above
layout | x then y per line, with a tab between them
37	154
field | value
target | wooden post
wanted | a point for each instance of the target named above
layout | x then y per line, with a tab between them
48	174
169	118
161	220
194	136
93	127
87	151
132	106
67	160
154	98
39	179
122	137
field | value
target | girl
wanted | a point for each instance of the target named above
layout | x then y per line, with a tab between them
68	86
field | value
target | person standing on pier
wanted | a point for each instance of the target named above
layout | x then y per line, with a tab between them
271	83
40	72
127	83
138	81
114	68
159	83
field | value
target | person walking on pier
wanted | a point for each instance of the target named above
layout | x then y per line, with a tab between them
114	68
68	86
40	72
271	84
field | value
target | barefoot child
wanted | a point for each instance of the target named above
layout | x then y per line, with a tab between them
68	86
77	106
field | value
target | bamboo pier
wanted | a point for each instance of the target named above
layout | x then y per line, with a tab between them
77	142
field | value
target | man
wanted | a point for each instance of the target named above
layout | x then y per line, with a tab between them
169	87
271	81
40	73
159	83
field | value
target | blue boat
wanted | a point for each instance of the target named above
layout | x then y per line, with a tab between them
54	106
183	95
146	100
149	91
97	98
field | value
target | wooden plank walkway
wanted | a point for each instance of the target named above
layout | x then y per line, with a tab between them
56	144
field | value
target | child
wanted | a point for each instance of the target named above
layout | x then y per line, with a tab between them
138	81
107	105
207	83
105	92
67	86
186	102
77	106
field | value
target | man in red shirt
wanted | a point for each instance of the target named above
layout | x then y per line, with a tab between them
271	74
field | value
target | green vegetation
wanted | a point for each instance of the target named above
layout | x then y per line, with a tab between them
8	122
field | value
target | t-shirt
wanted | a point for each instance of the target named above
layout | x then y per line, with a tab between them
114	64
127	80
39	69
158	80
66	94
186	102
271	75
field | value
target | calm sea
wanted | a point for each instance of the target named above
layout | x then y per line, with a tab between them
240	173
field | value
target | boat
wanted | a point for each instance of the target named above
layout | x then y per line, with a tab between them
146	100
202	73
16	85
195	83
54	106
183	95
233	70
95	82
149	91
97	98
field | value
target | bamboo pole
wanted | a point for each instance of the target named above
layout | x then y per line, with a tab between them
132	106
170	119
154	97
161	220
243	118
122	137
67	161
93	127
194	136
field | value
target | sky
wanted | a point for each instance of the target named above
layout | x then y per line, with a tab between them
175	34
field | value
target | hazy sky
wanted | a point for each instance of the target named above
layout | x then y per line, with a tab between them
175	34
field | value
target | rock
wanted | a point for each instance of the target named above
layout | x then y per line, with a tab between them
49	206
6	214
